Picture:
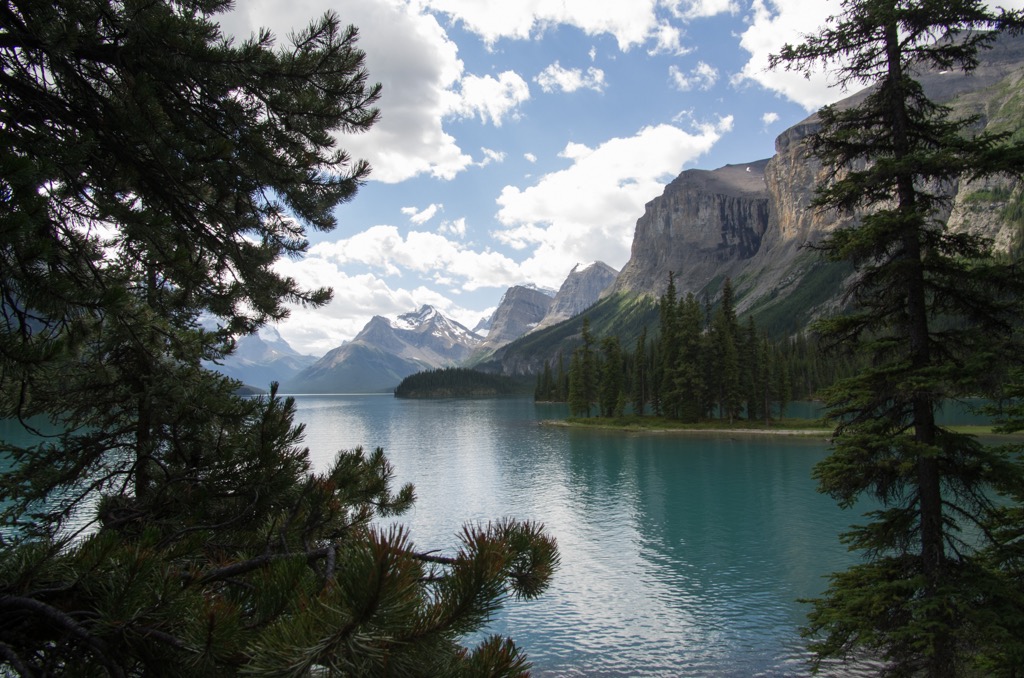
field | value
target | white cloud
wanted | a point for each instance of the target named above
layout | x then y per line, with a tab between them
530	157
409	53
418	216
703	76
592	53
668	39
384	248
490	155
489	98
631	23
774	23
456	228
587	211
570	79
770	118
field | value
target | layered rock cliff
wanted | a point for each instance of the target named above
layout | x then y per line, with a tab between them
752	222
704	226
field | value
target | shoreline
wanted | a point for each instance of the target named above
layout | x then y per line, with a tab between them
826	433
987	437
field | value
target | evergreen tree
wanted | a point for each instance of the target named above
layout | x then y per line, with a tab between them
689	381
611	391
935	313
751	372
579	404
641	374
151	173
562	381
725	346
588	367
668	339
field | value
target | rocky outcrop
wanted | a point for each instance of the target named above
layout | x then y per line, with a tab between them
385	352
753	222
581	290
521	309
704	226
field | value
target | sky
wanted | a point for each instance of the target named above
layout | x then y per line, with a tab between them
519	138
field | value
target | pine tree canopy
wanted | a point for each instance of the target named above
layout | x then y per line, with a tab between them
152	171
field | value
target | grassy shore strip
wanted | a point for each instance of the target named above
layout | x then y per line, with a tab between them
663	425
785	427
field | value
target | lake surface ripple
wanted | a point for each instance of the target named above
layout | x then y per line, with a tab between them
681	555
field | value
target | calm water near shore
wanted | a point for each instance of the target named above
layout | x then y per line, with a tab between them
681	555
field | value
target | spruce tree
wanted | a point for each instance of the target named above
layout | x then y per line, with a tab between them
611	383
935	313
151	173
688	378
641	375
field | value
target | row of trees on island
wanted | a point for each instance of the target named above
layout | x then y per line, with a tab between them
701	363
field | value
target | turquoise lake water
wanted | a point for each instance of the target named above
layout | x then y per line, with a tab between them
681	555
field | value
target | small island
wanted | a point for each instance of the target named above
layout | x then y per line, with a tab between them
457	382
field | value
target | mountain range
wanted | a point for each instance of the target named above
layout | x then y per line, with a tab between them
386	351
749	222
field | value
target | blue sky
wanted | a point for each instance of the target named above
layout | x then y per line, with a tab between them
521	137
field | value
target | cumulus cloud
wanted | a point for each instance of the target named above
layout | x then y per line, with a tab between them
570	79
770	118
587	211
446	261
702	76
410	54
490	99
631	23
772	24
530	157
668	39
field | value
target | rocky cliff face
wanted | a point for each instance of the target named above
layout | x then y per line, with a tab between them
703	226
751	222
520	310
581	290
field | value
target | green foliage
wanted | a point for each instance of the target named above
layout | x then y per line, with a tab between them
787	312
456	382
151	174
934	317
626	316
694	370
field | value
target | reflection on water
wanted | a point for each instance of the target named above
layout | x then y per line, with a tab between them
681	556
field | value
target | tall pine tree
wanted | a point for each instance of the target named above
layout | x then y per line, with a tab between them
936	315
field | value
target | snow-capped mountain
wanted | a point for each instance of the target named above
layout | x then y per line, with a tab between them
385	352
261	358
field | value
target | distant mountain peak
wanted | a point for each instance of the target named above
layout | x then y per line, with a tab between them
386	351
